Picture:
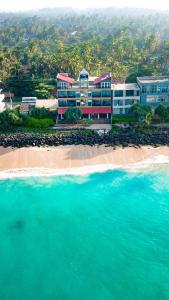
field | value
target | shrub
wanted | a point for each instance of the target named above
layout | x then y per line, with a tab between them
40	113
39	123
123	119
72	115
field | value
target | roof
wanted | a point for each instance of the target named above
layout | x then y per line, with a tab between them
153	79
89	110
84	72
65	77
104	76
125	86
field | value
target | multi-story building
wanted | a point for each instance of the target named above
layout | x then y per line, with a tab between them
154	90
91	94
2	104
98	98
123	97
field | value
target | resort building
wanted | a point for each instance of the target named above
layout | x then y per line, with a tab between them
123	97
2	103
91	94
154	90
101	98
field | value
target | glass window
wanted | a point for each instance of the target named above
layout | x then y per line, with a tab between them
106	103
71	94
153	89
62	103
117	111
105	84
129	102
144	89
119	93
118	102
164	89
97	103
62	84
62	94
106	93
130	93
71	103
96	94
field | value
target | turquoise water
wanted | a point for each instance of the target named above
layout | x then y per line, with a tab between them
101	237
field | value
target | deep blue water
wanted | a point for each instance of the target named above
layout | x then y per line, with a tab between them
98	237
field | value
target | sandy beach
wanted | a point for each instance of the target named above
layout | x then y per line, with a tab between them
75	159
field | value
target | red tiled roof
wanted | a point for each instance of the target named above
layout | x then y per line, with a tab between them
65	77
89	110
103	76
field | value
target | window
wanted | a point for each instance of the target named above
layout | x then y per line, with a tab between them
129	102
97	103
118	102
89	102
153	89
71	94
62	84
118	93
106	93
127	110
137	93
62	94
144	89
62	103
106	103
105	84
129	93
164	89
78	103
71	103
77	94
117	111
96	94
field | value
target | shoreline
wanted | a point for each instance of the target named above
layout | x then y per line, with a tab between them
77	160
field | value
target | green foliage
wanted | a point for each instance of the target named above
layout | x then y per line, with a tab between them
123	119
142	115
72	115
33	49
163	113
10	118
40	113
43	91
39	123
115	128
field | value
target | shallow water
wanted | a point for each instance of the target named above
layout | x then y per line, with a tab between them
103	236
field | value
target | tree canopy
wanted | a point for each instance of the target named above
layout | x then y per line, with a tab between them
34	47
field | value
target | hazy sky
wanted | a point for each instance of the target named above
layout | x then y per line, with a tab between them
15	5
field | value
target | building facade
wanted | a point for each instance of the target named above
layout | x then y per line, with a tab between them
154	90
2	103
100	99
92	95
123	97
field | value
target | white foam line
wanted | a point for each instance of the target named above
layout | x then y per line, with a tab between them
86	170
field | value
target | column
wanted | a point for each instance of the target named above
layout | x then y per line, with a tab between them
98	116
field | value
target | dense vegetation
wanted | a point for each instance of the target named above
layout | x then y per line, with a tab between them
34	47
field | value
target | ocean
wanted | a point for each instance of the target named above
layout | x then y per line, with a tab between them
99	237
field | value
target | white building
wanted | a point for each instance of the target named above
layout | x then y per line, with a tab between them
2	104
124	96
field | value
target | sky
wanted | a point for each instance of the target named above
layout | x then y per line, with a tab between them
18	5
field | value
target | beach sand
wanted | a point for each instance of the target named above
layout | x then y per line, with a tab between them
75	159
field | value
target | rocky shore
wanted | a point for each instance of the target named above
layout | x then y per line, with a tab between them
124	139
